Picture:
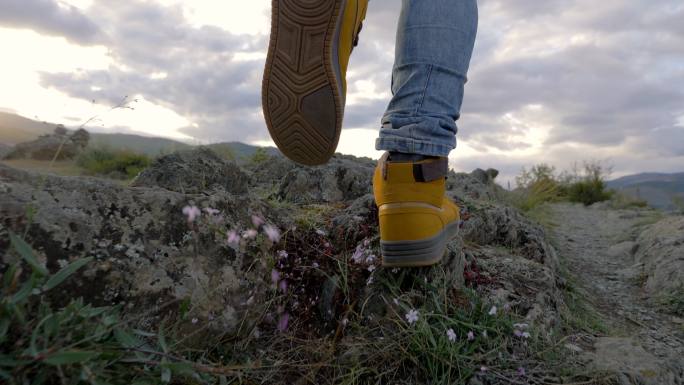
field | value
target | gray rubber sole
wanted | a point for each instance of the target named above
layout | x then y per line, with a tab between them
424	252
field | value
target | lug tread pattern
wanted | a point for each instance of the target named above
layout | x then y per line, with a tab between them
299	64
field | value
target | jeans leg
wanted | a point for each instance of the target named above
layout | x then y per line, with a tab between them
435	40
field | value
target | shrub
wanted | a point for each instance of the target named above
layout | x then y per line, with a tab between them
539	192
117	164
590	186
620	200
260	156
678	202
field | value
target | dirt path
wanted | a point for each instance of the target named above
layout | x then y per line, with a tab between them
643	344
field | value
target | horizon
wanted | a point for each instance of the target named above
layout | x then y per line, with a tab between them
547	83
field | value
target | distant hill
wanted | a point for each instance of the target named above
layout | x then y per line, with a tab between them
17	129
239	150
658	189
136	143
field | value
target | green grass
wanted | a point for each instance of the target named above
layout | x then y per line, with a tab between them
112	163
61	167
77	343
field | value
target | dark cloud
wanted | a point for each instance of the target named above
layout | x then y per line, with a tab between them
50	17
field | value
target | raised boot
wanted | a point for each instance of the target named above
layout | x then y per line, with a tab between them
416	218
304	85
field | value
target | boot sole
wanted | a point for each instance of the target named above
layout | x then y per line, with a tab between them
424	252
302	90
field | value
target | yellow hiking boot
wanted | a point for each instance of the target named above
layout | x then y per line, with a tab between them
417	220
304	85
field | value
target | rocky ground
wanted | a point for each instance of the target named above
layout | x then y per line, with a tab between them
271	271
632	272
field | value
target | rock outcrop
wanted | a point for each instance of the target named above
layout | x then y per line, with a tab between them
660	252
149	253
194	172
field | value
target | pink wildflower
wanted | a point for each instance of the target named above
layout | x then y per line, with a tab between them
233	237
283	322
192	212
483	368
272	233
257	221
251	234
471	336
371	268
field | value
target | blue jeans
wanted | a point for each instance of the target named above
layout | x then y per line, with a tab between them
435	40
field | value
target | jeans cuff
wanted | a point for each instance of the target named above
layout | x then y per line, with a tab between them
412	146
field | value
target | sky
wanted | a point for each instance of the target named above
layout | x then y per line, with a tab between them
558	81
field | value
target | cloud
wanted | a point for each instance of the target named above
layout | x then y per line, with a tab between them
50	17
555	80
202	79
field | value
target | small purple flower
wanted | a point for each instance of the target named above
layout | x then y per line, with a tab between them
315	265
233	237
257	221
211	211
249	234
272	233
275	276
412	316
320	232
517	333
283	322
194	321
471	336
282	254
451	335
283	286
192	212
483	369
521	371
371	268
358	254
